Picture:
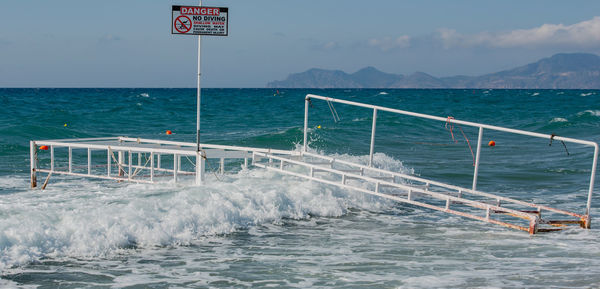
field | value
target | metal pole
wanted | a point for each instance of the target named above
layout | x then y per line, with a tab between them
32	157
199	168
592	177
373	137
198	93
477	158
151	166
70	160
89	156
175	157
52	158
306	101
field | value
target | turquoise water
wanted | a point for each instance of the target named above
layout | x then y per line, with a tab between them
260	229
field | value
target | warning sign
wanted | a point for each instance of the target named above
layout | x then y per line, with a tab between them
199	20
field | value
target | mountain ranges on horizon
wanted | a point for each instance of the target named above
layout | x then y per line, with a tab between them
561	71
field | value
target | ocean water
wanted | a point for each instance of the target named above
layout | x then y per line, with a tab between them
253	228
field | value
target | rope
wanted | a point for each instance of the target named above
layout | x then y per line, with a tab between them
112	153
334	113
137	170
563	143
210	167
449	126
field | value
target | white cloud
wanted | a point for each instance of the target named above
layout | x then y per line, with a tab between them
585	33
389	43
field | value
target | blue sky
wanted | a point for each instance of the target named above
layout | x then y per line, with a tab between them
128	43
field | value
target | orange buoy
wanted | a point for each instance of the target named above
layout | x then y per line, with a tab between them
44	148
169	132
492	143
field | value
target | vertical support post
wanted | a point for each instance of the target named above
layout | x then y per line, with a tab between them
533	225
178	163
198	92
121	163
158	161
139	159
476	171
245	163
129	159
175	163
108	162
89	157
306	103
70	160
373	137
52	158
32	162
151	166
199	168
591	189
222	166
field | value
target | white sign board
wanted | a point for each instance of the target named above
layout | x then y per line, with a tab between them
199	20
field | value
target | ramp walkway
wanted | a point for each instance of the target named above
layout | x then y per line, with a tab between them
420	192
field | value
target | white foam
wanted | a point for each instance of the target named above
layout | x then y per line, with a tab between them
535	94
144	94
77	218
587	94
590	112
559	119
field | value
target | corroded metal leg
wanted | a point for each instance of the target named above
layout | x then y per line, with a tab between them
586	222
533	225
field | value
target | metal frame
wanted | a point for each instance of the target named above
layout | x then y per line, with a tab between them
490	203
469	203
128	170
466	123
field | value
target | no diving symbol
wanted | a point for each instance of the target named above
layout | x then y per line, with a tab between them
183	24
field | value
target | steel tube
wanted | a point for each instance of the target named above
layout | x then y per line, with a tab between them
70	156
151	166
445	119
129	160
175	167
592	178
108	153
89	159
32	157
373	137
306	103
476	170
51	158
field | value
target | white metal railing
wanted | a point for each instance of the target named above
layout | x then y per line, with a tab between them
128	170
455	121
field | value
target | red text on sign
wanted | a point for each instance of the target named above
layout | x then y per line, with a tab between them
199	11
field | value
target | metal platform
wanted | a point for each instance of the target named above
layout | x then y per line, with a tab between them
149	161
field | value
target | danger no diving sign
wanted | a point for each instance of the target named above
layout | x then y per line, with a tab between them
199	20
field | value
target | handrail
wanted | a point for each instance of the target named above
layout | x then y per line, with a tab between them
481	127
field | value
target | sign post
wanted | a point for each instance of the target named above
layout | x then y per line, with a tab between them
199	20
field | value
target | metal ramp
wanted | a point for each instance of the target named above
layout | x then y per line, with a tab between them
469	203
421	192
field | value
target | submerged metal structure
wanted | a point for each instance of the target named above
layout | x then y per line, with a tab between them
149	161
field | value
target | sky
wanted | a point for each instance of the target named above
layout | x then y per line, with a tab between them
128	43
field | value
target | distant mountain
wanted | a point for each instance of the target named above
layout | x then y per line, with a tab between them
564	70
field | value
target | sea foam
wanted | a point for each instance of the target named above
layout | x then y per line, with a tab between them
77	218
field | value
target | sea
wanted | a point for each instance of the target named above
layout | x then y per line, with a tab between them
252	228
